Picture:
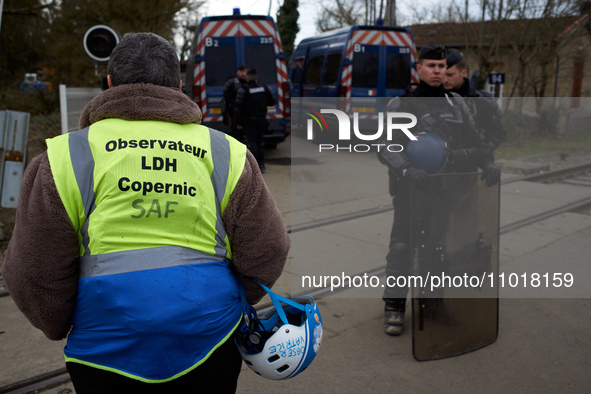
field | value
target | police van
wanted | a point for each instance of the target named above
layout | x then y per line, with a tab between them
221	44
355	62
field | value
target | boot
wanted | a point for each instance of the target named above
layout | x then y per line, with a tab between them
393	321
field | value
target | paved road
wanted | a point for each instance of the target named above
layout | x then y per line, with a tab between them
543	344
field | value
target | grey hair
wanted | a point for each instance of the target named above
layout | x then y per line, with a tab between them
144	58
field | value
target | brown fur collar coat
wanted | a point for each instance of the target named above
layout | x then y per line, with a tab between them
41	264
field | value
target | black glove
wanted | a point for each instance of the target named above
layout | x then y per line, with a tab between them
417	177
462	157
492	174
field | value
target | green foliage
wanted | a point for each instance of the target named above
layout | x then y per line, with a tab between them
75	17
49	33
287	24
34	103
23	41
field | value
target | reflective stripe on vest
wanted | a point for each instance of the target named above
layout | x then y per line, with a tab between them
83	165
139	260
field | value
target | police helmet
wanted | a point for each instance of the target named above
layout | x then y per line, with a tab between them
428	152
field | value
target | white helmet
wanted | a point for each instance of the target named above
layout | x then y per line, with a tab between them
284	341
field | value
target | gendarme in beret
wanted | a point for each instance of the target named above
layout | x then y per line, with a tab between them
453	57
431	51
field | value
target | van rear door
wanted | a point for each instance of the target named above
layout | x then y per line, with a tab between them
380	63
220	64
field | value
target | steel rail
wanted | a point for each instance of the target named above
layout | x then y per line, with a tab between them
38	383
553	175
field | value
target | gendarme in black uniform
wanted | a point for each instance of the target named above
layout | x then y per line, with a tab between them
230	91
252	101
443	114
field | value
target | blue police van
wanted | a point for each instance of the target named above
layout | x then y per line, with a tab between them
221	44
355	61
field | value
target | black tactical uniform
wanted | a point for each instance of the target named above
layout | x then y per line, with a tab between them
446	115
252	101
230	91
483	107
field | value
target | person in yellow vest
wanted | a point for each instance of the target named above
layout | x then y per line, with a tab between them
133	235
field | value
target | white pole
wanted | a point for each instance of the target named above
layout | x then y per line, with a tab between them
64	109
1	6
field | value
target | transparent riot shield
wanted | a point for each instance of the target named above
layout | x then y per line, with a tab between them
455	238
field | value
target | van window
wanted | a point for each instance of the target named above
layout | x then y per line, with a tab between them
331	71
397	71
262	58
365	70
314	70
220	64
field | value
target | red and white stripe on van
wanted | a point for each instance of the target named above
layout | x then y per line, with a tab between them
376	37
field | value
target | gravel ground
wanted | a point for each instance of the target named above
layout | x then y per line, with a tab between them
546	161
561	160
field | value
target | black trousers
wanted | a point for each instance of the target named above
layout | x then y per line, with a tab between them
236	132
254	129
218	374
398	260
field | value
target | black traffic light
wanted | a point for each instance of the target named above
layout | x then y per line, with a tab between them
99	42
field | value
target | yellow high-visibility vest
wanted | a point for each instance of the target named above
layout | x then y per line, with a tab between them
141	184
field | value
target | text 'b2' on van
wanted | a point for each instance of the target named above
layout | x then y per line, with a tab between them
221	44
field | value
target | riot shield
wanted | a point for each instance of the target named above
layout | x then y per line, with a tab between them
454	243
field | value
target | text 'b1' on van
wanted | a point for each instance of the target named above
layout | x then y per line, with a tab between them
221	44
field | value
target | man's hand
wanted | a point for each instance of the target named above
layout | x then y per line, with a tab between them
417	177
492	174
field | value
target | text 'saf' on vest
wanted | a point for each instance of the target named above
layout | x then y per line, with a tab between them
156	294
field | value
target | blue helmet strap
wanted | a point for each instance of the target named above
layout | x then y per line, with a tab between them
275	298
278	299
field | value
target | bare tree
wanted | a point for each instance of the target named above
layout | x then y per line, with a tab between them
390	15
339	14
187	20
536	46
523	30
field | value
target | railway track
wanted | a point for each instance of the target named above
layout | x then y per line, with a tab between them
39	383
565	175
579	175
